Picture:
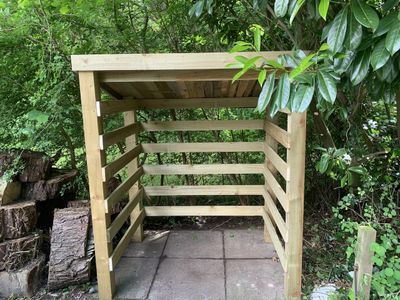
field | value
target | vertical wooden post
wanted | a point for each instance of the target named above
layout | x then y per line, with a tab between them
130	118
295	196
363	262
270	141
95	157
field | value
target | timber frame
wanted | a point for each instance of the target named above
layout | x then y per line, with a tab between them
184	81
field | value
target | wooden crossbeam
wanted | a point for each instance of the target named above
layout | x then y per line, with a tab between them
204	147
117	135
279	134
277	217
203	125
170	211
204	190
204	169
276	188
277	161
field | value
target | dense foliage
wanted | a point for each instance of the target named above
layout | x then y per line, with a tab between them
347	76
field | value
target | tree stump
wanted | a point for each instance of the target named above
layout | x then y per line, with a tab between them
9	191
69	262
17	220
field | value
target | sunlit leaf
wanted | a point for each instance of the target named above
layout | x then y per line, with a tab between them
283	91
354	33
302	98
303	66
392	41
337	33
281	7
365	14
298	5
323	8
380	55
261	76
266	92
327	86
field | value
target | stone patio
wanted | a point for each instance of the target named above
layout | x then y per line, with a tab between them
191	265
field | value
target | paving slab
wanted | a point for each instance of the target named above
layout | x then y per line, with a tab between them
194	279
254	279
152	245
133	277
194	244
247	243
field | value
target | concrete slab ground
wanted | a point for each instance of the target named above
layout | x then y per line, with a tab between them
212	265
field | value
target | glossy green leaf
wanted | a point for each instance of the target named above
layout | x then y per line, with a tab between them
337	33
302	98
380	55
283	91
298	5
303	66
307	78
257	38
323	8
324	47
281	7
392	41
386	23
240	47
360	67
354	33
365	14
274	64
389	4
261	76
340	65
266	92
327	86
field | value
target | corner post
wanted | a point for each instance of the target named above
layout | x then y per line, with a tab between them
131	141
95	157
295	195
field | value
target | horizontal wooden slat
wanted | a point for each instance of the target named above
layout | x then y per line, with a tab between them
277	217
276	188
118	106
206	190
124	242
204	147
115	136
275	240
279	134
169	211
123	188
204	169
113	167
203	125
277	161
123	215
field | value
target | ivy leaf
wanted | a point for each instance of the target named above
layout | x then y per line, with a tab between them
302	98
392	41
281	7
323	8
337	33
327	86
299	4
386	23
365	14
360	67
354	33
379	55
266	92
282	92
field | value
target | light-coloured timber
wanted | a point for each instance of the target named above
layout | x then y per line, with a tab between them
203	125
161	61
115	166
277	161
279	134
295	210
117	135
95	157
175	211
117	106
124	242
123	215
204	190
204	169
276	188
122	189
276	215
204	147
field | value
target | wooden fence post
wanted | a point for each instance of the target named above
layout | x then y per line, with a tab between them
95	157
363	262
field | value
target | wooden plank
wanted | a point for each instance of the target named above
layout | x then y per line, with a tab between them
204	169
276	215
276	188
162	61
123	188
123	215
203	125
95	157
277	161
295	211
204	190
117	106
115	136
279	134
113	167
277	243
125	241
170	211
363	262
204	147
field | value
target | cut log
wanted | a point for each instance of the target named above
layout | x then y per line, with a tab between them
9	191
18	219
69	263
23	282
14	254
